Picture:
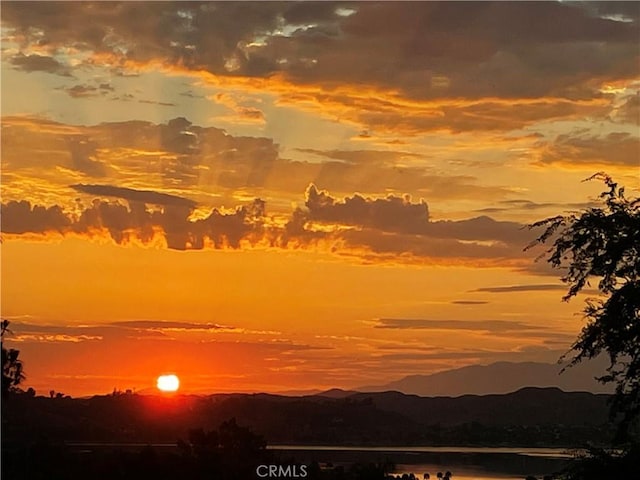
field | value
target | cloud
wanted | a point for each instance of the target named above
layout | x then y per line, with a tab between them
463	357
384	113
616	11
171	155
495	326
481	229
379	246
364	156
393	58
84	156
493	47
521	288
32	332
629	111
527	205
244	111
617	148
395	227
392	228
206	163
138	223
469	302
379	173
400	215
20	217
389	214
80	91
129	194
88	90
168	325
54	338
39	63
149	329
162	104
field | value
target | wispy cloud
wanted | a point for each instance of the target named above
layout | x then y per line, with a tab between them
469	302
132	195
473	325
168	325
521	288
54	338
586	149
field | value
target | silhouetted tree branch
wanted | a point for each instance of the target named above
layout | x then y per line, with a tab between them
12	370
603	243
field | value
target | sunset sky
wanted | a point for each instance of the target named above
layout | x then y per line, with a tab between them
266	196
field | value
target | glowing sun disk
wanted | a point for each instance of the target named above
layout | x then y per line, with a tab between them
168	383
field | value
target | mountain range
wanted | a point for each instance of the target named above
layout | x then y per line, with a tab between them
500	377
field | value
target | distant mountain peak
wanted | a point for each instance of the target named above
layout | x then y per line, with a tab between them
500	377
336	393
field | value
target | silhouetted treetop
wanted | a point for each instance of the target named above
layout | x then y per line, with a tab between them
603	243
12	369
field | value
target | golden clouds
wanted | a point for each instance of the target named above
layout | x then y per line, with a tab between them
391	228
206	164
394	67
579	149
243	110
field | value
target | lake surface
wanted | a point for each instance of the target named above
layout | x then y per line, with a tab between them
465	463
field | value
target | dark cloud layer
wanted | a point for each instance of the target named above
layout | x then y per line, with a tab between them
136	222
389	214
21	217
39	63
142	196
400	215
426	66
392	227
423	49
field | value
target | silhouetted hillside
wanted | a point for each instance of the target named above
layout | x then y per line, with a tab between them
528	406
531	416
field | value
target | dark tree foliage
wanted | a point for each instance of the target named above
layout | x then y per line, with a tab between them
12	372
230	453
603	244
599	464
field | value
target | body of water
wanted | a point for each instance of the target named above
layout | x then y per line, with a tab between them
465	463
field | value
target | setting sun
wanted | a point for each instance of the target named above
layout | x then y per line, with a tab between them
303	206
168	383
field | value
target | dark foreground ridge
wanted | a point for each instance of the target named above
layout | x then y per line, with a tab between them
528	417
225	436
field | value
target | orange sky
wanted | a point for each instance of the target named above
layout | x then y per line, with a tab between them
267	196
